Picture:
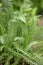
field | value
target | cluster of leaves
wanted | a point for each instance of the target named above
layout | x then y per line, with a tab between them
18	33
39	5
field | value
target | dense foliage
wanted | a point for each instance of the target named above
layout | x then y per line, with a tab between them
19	33
39	5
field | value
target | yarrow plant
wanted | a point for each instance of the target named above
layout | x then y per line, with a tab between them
19	43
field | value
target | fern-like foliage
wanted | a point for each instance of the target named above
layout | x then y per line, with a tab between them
19	33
